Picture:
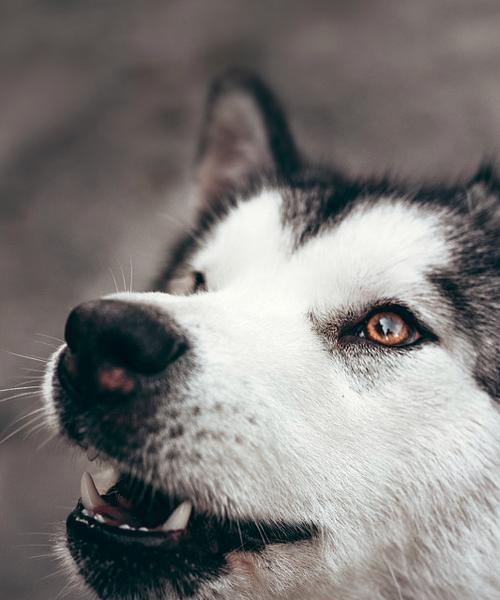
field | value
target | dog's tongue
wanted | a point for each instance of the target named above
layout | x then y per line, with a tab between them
120	516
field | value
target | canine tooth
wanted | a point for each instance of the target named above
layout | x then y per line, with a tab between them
125	526
179	518
90	496
105	479
99	518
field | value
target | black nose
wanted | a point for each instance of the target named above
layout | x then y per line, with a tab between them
111	342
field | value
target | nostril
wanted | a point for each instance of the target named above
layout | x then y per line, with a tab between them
115	380
105	381
73	329
123	337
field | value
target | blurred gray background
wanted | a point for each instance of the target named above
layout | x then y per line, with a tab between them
99	107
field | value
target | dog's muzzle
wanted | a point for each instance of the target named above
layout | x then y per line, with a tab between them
118	392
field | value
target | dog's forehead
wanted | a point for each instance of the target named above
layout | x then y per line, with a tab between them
382	247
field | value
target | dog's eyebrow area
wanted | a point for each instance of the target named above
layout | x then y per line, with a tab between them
382	249
379	250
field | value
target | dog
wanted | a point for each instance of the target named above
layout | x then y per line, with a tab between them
305	405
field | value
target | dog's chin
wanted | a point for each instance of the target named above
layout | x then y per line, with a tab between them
131	540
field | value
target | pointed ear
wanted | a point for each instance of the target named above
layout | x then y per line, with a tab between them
244	133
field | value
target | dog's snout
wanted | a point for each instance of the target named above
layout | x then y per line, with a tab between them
111	342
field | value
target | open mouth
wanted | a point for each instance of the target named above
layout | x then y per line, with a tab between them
132	508
150	538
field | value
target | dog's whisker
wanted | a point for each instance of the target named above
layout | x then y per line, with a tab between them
23	395
52	337
66	590
60	571
123	277
114	280
36	427
19	388
131	276
36	358
32	378
52	435
29	414
48	344
265	540
20	429
240	534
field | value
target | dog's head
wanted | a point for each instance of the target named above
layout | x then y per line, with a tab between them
311	384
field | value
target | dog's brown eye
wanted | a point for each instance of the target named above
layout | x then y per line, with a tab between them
389	329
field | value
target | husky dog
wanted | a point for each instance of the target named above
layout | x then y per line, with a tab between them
305	406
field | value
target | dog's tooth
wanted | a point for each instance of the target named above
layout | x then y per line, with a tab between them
105	479
179	518
125	526
89	494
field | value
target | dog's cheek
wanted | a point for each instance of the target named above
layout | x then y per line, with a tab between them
255	576
279	572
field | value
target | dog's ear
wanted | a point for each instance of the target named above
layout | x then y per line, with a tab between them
244	133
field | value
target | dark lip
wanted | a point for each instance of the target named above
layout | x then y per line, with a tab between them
91	529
